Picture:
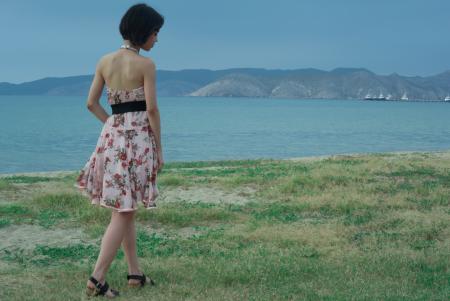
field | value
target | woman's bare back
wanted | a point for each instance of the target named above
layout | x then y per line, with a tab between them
122	70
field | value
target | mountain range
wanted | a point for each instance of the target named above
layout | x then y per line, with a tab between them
340	83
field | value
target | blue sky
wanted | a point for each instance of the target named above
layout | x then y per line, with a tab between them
42	38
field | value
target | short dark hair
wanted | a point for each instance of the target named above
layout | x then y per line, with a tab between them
139	22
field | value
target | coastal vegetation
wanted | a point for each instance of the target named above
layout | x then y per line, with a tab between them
347	227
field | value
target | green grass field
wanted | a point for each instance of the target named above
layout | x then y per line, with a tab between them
359	227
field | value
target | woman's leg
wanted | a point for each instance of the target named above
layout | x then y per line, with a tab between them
129	247
110	243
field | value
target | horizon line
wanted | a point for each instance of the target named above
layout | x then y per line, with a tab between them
251	68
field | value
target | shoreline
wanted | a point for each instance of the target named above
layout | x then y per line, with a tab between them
58	173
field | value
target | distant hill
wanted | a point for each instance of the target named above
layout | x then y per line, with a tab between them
340	83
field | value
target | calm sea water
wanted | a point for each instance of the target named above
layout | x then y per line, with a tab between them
45	133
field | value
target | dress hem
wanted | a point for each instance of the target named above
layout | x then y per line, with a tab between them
94	201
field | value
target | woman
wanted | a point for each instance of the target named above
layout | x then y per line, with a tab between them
122	170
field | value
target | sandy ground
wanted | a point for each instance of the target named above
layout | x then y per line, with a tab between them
207	195
51	174
443	154
26	237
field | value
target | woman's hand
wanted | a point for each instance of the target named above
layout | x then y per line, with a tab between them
160	162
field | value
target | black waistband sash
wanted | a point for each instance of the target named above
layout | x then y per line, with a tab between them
130	106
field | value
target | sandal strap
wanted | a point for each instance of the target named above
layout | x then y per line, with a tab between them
96	282
102	289
142	278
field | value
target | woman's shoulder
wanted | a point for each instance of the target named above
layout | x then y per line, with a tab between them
148	62
107	56
104	59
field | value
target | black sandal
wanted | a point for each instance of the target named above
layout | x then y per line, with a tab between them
142	278
100	289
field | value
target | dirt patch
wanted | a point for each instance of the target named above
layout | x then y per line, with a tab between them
207	195
50	174
26	237
25	191
183	233
395	155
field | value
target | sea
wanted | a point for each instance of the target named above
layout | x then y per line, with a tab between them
54	133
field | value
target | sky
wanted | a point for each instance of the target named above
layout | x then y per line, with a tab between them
57	38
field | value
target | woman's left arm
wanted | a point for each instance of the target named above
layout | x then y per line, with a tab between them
95	92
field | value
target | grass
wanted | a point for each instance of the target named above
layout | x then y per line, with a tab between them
362	227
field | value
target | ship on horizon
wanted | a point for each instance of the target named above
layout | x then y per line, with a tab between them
379	97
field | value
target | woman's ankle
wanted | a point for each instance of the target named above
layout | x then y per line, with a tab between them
99	277
134	271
